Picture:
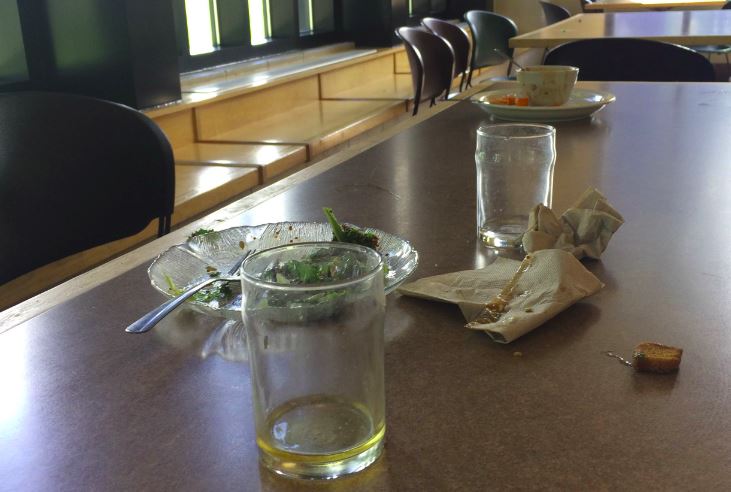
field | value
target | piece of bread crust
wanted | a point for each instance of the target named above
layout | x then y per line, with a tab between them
655	357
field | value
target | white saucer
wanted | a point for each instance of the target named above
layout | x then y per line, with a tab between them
581	104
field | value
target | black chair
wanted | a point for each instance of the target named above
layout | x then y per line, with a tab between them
457	39
716	49
76	172
432	64
554	13
633	60
490	31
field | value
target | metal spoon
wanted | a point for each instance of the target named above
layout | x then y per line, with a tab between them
146	322
509	58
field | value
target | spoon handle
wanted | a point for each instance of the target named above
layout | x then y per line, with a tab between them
153	317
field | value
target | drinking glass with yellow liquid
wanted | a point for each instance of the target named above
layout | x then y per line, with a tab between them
314	321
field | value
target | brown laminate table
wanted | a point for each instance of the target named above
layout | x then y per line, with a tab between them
630	5
694	27
85	406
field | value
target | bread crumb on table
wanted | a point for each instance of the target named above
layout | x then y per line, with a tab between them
656	357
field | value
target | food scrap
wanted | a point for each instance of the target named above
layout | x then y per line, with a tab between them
345	233
652	357
510	100
219	291
200	232
656	357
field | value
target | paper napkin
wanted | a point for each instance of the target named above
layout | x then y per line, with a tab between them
583	230
554	281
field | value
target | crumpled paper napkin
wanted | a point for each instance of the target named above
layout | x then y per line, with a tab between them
554	281
583	230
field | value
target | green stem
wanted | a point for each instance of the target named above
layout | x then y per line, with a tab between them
338	231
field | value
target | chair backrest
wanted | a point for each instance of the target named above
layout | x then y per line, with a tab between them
554	13
431	60
76	172
632	59
490	31
455	37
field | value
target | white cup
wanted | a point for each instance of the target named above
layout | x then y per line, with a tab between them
547	85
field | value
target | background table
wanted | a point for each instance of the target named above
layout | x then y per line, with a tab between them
86	406
696	27
628	5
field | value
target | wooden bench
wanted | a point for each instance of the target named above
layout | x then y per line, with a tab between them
199	189
271	161
373	79
287	63
255	78
291	113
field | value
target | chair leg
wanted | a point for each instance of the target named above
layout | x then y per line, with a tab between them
469	79
163	225
461	81
510	66
417	98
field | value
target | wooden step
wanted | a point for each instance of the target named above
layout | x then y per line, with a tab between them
394	87
318	124
374	79
201	188
271	160
233	82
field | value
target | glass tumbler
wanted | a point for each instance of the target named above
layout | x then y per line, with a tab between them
514	173
314	315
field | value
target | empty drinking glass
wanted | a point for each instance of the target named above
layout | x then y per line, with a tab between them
314	322
514	173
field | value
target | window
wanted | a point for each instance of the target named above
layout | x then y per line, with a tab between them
217	32
13	67
306	21
202	22
259	22
315	16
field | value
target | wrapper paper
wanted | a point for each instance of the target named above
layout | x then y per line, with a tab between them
554	281
584	230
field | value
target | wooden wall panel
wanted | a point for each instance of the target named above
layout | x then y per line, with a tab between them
402	62
179	127
335	81
219	117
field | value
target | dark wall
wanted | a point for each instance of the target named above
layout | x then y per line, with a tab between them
373	23
120	50
457	8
